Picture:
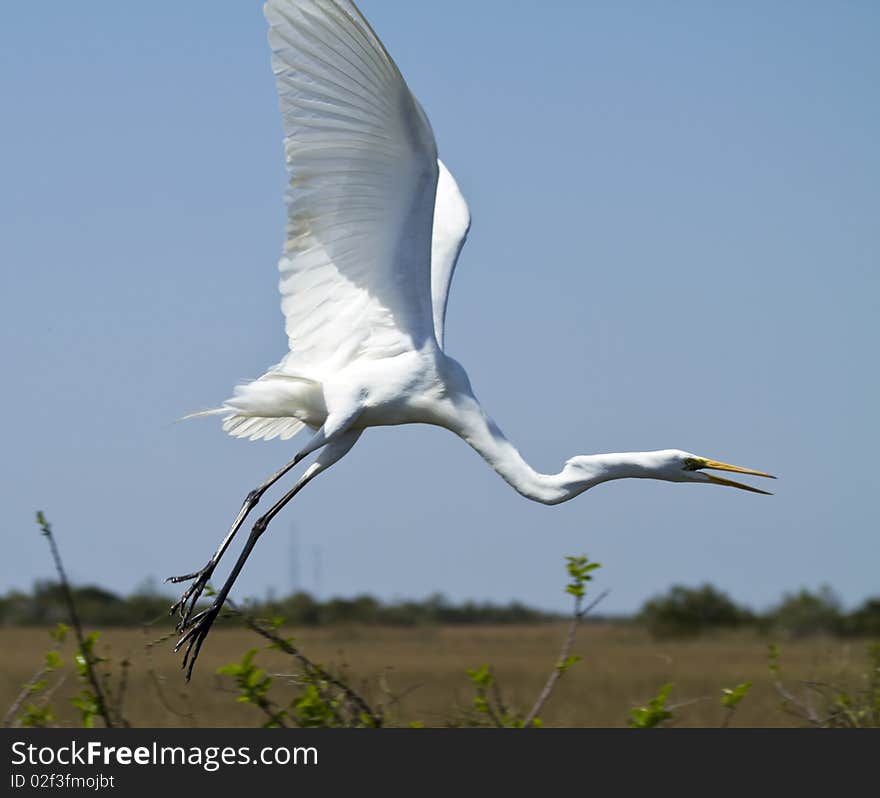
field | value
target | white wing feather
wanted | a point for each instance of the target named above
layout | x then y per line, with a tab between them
369	255
452	220
355	276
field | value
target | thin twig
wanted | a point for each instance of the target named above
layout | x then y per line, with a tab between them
120	693
497	719
47	695
395	698
803	710
499	697
579	614
89	664
156	679
157	683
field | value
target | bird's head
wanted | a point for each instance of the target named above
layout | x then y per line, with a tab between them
670	465
678	466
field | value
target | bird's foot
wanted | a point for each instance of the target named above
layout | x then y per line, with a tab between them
185	606
195	635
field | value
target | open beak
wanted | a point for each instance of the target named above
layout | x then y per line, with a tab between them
714	464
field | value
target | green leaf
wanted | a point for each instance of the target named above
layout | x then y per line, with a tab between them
733	695
53	659
579	569
563	665
773	660
654	713
59	632
87	704
36	717
482	676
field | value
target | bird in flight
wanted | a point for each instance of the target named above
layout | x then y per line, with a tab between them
375	225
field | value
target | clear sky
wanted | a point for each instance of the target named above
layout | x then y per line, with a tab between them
675	244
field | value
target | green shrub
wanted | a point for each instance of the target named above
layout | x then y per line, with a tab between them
865	621
804	613
688	612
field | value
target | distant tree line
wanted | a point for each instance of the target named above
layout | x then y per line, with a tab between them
688	612
679	612
44	605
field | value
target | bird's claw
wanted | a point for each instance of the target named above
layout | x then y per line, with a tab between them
185	606
194	636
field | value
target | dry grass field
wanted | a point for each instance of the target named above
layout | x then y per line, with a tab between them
622	667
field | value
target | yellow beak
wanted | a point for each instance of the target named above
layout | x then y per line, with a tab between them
714	464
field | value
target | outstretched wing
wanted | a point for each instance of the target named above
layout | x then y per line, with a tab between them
452	220
356	271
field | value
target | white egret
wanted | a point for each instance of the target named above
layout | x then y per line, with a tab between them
375	226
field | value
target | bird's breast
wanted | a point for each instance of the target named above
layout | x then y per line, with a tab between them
408	389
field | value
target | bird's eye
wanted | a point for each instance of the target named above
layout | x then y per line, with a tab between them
692	464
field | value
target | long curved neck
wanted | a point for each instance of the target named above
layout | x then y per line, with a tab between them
483	435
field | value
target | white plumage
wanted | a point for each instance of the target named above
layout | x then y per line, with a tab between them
375	227
366	195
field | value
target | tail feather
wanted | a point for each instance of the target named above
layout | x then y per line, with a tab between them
256	428
270	406
217	411
253	427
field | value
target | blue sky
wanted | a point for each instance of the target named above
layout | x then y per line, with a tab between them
675	244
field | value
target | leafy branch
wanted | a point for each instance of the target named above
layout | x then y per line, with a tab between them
489	704
840	707
730	700
91	700
653	714
253	685
318	704
580	570
38	712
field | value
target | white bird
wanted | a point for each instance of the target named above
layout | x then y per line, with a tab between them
375	226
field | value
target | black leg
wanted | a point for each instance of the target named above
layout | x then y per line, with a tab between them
195	628
187	603
200	625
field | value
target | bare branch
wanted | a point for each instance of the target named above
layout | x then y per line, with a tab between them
801	709
564	653
124	667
